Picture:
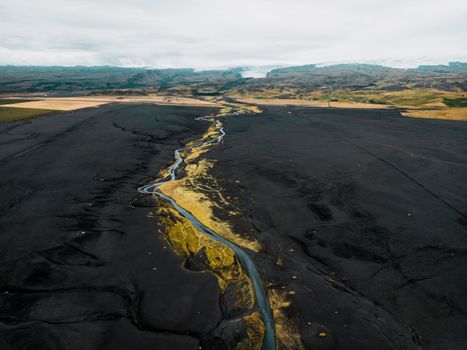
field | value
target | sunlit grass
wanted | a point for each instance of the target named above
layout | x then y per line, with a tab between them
441	113
404	98
9	101
409	98
8	114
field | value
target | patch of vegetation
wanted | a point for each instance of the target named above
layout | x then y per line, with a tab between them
455	102
451	113
8	114
8	101
406	98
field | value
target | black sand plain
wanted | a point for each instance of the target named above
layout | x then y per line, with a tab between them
81	264
366	210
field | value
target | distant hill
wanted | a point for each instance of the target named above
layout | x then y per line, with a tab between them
69	80
452	77
73	79
452	67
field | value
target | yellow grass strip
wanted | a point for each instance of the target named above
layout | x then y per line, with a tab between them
459	113
255	333
309	103
185	192
287	334
200	205
12	114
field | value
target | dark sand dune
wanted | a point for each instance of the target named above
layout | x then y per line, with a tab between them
79	267
368	211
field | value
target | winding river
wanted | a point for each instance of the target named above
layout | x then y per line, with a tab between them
269	342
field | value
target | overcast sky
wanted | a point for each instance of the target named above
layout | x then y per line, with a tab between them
217	33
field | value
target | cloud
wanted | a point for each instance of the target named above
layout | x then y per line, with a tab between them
209	33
